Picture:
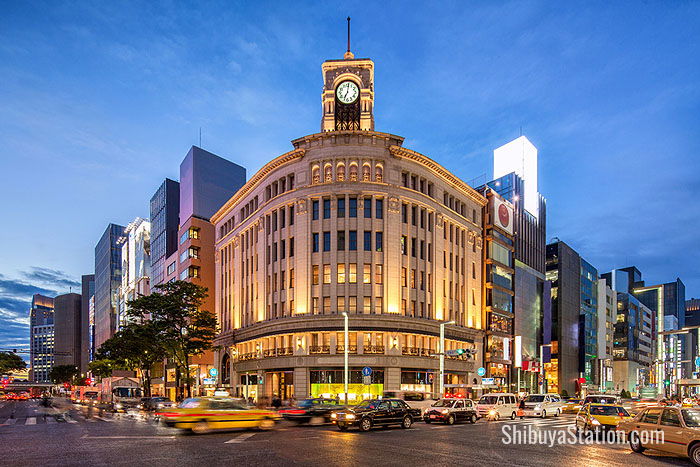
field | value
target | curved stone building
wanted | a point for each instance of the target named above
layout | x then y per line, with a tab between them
348	221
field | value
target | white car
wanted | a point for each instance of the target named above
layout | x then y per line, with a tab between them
542	405
497	405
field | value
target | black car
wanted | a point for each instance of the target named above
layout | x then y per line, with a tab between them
450	411
154	403
376	412
315	411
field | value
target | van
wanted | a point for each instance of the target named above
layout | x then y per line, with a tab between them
497	405
541	405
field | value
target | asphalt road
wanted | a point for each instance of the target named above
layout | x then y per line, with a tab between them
29	438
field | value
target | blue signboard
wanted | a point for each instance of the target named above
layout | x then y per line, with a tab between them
481	371
366	371
213	372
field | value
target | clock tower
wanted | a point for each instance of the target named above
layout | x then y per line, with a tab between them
348	93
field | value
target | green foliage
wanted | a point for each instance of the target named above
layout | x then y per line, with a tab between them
102	368
10	362
63	374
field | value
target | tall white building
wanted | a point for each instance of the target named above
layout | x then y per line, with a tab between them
519	156
136	265
607	315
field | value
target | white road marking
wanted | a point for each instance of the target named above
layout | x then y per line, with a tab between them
10	421
50	420
240	439
105	419
127	437
30	421
70	420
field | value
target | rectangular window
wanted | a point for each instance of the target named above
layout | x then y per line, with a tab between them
413	278
314	242
352	241
378	241
326	273
283	251
341	307
368	207
352	276
422	280
404	272
341	207
314	305
291	247
367	274
283	219
341	273
314	274
274	221
314	209
378	305
403	307
274	251
379	208
326	241
171	268
326	305
291	215
353	206
404	239
367	305
274	282
422	249
352	308
340	237
414	214
368	240
404	213
413	247
291	278
378	274
326	208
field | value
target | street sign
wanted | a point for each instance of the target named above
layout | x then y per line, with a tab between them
366	380
697	361
487	381
481	371
366	371
213	372
209	381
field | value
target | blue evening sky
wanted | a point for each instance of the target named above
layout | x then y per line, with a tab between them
99	101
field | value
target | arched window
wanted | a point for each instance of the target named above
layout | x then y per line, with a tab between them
366	173
316	175
226	369
340	172
353	172
328	173
378	173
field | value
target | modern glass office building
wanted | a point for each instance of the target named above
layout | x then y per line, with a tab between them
41	334
108	278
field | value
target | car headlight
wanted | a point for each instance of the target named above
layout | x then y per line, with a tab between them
445	411
118	405
492	412
334	415
350	416
595	422
161	405
538	406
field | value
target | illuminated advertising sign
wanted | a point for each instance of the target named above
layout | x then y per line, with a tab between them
502	214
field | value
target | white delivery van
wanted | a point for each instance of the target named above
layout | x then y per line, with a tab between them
497	405
541	405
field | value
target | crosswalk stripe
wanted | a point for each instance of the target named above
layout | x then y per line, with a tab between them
30	421
105	419
10	421
50	420
70	420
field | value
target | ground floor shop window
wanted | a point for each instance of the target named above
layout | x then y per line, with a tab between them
329	383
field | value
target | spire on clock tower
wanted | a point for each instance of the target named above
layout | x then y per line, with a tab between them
348	93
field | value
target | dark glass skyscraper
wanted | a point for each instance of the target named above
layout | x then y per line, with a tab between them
86	331
67	330
108	277
165	208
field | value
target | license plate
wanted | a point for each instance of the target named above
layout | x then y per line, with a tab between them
433	416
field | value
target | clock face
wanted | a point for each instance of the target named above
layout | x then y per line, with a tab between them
347	92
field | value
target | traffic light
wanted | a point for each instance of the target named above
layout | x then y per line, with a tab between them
460	352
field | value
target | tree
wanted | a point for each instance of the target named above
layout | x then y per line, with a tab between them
137	346
10	362
63	373
184	328
102	368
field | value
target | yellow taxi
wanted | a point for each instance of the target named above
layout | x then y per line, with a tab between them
674	430
571	406
597	417
204	414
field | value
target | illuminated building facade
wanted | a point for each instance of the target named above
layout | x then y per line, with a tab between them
348	221
136	265
41	334
108	279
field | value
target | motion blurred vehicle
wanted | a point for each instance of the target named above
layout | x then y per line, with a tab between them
680	428
542	405
204	414
314	411
155	403
414	399
602	399
497	405
451	411
641	404
571	406
376	412
598	417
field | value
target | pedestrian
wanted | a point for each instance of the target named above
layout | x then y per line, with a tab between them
276	402
521	409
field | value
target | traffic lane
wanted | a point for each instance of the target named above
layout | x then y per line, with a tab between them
18	409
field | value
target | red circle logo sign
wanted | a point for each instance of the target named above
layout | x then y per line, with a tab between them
504	215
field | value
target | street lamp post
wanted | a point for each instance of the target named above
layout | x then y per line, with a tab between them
541	385
442	356
346	370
